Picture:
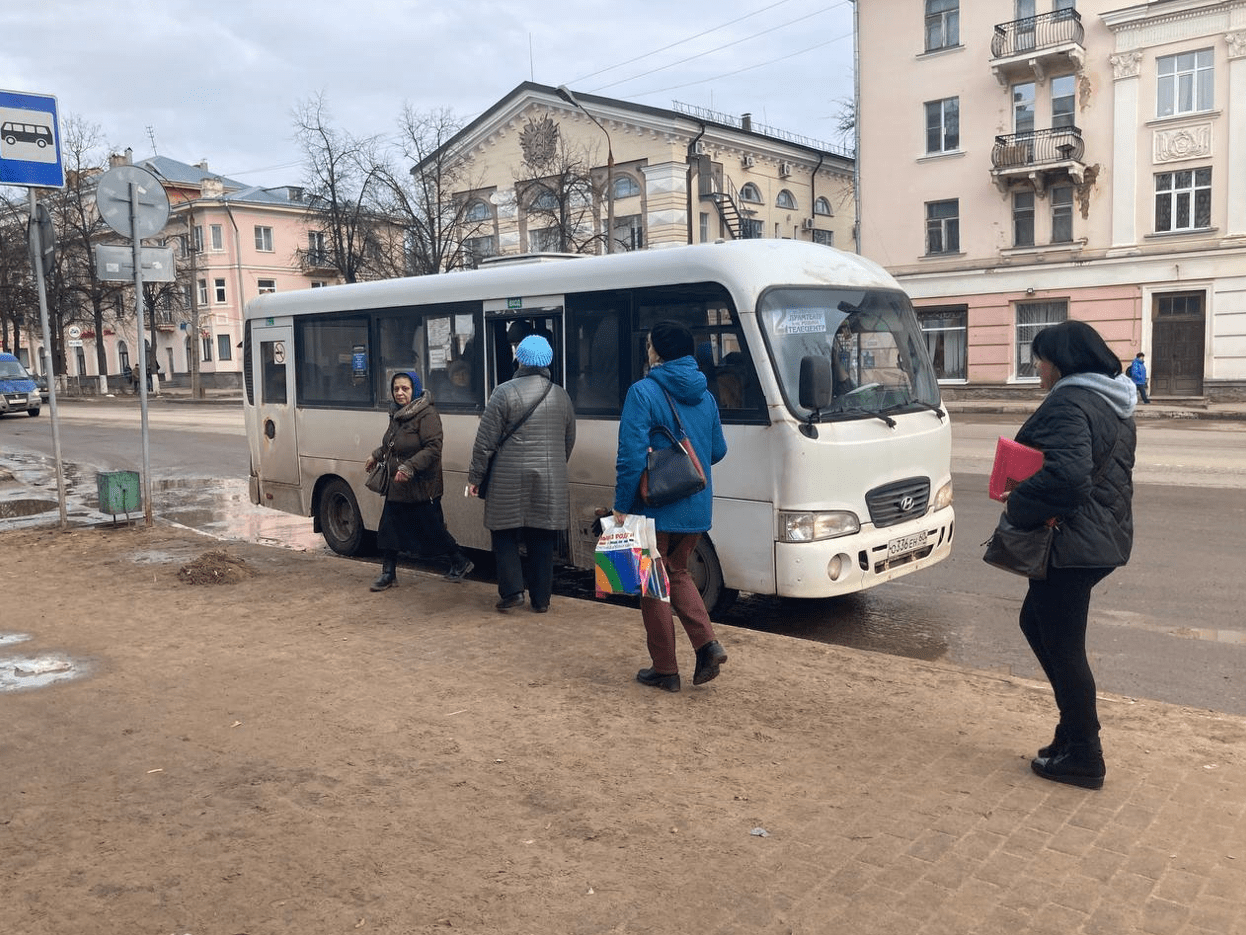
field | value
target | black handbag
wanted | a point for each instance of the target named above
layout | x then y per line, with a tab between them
1021	551
674	472
482	488
378	477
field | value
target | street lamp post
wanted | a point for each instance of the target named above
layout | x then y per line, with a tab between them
565	93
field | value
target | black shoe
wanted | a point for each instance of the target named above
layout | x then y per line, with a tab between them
509	603
386	581
668	683
540	608
1077	764
709	658
460	568
1057	743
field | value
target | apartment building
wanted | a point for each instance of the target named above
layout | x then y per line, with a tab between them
1061	159
677	176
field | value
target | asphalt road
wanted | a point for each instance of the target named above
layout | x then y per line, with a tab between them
1169	626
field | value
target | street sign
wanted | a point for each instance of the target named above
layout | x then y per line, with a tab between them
151	206
30	141
116	264
45	254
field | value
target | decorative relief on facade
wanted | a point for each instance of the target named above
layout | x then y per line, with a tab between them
1182	143
1236	41
1125	65
539	142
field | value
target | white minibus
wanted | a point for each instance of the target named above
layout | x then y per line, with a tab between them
838	474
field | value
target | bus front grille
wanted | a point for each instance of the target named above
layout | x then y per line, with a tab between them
898	501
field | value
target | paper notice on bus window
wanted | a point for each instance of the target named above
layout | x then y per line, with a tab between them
801	321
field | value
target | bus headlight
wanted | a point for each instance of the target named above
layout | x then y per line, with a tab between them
810	527
943	499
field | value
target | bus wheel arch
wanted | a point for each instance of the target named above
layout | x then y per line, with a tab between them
707	575
338	518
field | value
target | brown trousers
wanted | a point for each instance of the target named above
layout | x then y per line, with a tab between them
686	601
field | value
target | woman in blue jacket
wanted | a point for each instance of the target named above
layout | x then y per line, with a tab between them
674	382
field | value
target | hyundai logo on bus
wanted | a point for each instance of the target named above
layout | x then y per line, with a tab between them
906	504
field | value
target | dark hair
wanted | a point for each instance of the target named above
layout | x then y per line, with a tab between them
672	340
1075	347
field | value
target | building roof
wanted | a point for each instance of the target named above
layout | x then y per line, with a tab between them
183	175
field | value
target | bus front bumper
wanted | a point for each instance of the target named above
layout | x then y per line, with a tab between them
830	567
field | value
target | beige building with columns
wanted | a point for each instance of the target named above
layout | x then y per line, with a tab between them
679	176
1061	159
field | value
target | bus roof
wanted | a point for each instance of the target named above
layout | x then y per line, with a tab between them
745	267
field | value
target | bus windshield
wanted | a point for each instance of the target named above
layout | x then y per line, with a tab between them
877	355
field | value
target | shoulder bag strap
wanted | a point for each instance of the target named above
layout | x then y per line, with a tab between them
549	385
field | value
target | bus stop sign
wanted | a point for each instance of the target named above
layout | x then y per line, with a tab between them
30	141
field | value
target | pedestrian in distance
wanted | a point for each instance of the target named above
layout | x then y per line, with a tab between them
1137	373
412	520
1085	429
524	441
673	385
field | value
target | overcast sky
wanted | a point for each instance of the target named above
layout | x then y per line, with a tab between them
219	81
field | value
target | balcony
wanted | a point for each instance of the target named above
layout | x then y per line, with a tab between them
1039	157
164	320
316	263
1038	46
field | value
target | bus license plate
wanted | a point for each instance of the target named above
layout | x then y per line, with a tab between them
906	544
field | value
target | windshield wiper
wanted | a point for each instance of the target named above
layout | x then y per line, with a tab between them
921	405
857	411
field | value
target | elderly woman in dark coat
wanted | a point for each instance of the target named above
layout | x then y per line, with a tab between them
412	520
527	498
1085	430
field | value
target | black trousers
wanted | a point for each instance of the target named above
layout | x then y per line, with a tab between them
537	572
1053	619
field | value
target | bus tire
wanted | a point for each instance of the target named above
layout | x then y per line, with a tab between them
340	521
707	575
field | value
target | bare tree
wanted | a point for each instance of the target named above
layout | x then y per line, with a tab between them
343	176
19	299
558	198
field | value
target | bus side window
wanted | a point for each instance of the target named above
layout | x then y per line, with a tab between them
593	353
334	360
272	359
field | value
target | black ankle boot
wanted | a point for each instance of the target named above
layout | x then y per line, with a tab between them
1078	764
709	658
1057	742
655	679
389	574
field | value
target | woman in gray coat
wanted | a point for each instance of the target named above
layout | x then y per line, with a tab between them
527	432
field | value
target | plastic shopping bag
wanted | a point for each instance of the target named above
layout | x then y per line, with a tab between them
627	559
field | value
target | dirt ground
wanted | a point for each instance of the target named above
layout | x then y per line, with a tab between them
254	743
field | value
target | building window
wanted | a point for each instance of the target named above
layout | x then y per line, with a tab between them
266	286
316	252
1062	214
751	229
629	233
477	211
1063	100
751	193
947	339
218	237
943	226
1023	219
263	239
544	240
207	348
1185	82
476	249
705	227
545	200
1032	317
943	125
318	284
198	239
203	292
1183	200
218	286
826	238
942	24
785	200
822	206
625	187
1023	107
224	350
123	357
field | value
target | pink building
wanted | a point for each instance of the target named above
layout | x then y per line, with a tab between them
1061	159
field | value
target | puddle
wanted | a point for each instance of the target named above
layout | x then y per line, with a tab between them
18	673
10	509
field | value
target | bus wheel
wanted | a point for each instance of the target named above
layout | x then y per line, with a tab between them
707	575
340	522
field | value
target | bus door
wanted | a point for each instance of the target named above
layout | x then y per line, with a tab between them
273	375
509	321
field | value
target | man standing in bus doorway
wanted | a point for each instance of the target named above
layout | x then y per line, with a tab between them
522	446
1137	373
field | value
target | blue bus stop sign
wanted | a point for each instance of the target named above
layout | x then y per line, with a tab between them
30	141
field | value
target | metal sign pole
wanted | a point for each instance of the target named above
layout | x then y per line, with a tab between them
37	241
142	345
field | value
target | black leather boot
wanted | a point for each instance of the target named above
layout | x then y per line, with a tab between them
1057	742
709	658
1077	764
389	574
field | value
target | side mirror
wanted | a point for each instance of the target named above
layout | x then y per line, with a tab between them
815	382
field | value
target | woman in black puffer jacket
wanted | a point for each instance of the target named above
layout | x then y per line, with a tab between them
1086	432
412	520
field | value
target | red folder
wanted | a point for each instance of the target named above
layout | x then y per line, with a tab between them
1014	462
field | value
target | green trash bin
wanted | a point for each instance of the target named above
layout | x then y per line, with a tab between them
118	492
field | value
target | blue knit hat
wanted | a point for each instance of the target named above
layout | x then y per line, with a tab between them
534	351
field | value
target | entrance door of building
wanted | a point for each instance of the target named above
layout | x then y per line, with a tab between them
1177	323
